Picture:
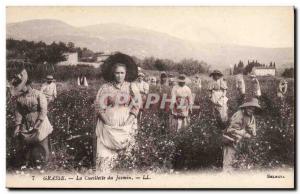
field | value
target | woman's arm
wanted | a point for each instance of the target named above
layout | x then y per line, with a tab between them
55	91
136	99
100	106
136	103
85	82
42	102
284	89
18	119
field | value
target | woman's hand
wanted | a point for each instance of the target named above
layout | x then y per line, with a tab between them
104	119
243	133
129	120
37	124
107	122
17	131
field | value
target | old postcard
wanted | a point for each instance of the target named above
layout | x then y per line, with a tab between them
150	97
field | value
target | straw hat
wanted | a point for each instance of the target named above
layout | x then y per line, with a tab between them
216	72
139	69
18	83
141	74
251	103
163	75
131	67
181	78
50	78
252	75
283	81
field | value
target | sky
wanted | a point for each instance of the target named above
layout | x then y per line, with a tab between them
270	27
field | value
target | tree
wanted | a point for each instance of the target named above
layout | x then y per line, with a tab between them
288	72
234	69
71	47
160	65
148	63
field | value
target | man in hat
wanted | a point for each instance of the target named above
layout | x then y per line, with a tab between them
144	90
217	95
49	89
242	126
181	105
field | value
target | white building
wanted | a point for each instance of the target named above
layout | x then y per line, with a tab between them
71	59
263	71
96	65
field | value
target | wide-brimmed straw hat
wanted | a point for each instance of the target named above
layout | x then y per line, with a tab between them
181	78
50	78
253	102
131	67
139	69
141	74
252	75
163	74
19	82
283	81
216	72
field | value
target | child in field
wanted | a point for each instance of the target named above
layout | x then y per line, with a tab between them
242	126
49	89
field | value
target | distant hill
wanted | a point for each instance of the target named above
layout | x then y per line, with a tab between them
143	42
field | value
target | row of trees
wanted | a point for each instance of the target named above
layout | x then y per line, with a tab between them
288	72
241	68
40	52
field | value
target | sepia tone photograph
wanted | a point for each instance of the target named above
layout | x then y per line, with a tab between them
150	97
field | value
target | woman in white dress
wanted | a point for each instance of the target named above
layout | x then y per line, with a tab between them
117	105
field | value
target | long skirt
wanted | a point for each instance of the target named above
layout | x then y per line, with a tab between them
221	115
177	124
229	157
112	139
